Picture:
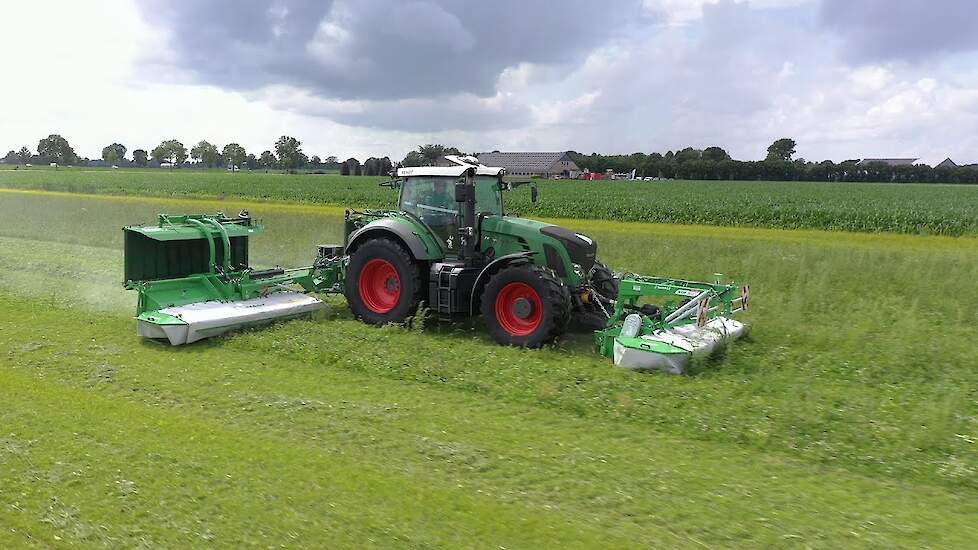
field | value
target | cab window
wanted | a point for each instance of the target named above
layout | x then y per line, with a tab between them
432	200
488	197
429	196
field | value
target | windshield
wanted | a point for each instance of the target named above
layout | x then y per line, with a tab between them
432	197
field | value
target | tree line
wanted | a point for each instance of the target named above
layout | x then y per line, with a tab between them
286	154
713	163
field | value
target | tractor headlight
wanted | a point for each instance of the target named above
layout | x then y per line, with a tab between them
578	270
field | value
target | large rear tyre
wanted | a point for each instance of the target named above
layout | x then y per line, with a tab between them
383	283
525	306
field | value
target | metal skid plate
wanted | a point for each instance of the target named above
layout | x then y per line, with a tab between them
673	349
192	322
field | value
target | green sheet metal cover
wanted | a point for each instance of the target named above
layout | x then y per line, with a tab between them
188	232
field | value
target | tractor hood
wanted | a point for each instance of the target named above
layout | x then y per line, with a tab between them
581	248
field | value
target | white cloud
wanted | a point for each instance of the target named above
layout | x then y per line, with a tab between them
730	75
680	12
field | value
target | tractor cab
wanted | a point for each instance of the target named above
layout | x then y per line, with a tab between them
430	197
429	194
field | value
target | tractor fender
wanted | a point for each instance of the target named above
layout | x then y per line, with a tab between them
398	231
491	269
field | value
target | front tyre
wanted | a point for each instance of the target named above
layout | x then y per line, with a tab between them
382	283
525	306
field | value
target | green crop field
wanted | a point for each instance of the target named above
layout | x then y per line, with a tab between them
849	417
915	209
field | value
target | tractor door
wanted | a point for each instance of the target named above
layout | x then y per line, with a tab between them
432	200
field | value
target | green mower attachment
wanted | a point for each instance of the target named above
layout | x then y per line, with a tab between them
194	281
687	319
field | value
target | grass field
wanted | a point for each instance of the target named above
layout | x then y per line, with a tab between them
915	209
849	418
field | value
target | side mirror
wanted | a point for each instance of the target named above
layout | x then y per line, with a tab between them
533	194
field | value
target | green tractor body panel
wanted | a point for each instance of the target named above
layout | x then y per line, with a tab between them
422	243
506	235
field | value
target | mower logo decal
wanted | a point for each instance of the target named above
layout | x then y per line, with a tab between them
686	292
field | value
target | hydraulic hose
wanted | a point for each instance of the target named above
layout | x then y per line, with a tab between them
210	243
226	264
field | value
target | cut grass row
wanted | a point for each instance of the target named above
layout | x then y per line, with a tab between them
107	443
914	209
857	357
848	419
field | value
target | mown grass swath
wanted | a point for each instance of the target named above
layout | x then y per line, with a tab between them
848	419
846	326
899	208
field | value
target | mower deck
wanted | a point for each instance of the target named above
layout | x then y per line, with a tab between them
672	350
192	322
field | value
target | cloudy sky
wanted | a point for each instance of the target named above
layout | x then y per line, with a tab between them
846	79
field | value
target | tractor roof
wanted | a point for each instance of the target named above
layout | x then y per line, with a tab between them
458	167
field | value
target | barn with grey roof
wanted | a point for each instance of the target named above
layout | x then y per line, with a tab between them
547	165
889	162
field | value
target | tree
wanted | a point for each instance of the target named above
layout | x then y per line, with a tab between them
205	153
171	151
289	152
11	157
431	153
267	160
331	162
371	166
24	155
715	154
112	154
315	161
782	149
385	166
139	157
688	154
413	158
376	167
55	148
234	154
351	168
252	162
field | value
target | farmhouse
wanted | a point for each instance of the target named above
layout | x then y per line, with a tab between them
888	162
545	165
946	163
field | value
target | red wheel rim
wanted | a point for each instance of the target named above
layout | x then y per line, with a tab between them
512	298
379	285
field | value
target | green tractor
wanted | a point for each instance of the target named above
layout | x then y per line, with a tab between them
451	246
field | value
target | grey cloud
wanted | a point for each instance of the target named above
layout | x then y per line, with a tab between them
461	111
675	89
380	49
911	30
